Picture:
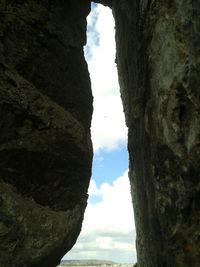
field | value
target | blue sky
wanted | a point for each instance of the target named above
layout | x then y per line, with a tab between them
107	165
108	230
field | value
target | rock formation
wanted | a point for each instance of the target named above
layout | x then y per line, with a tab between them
45	146
45	109
158	57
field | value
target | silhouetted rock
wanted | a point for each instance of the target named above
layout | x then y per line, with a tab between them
46	107
45	146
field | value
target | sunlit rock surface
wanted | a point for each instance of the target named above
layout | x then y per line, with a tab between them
45	146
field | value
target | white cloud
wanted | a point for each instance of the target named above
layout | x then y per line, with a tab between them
108	229
93	189
116	200
108	123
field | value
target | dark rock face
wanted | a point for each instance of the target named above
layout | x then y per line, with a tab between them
104	2
158	64
45	146
45	109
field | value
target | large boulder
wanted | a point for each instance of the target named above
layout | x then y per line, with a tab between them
45	144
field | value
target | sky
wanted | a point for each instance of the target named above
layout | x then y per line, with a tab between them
108	231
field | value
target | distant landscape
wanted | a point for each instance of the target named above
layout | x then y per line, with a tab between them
91	263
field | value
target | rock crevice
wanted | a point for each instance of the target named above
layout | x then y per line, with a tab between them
46	109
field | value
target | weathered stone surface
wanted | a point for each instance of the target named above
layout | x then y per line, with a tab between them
158	63
45	110
45	146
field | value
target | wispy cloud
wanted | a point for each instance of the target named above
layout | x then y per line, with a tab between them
108	124
92	33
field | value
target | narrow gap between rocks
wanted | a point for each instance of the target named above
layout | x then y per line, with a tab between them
108	231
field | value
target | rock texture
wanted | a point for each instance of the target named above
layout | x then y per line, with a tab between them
45	146
45	109
159	66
